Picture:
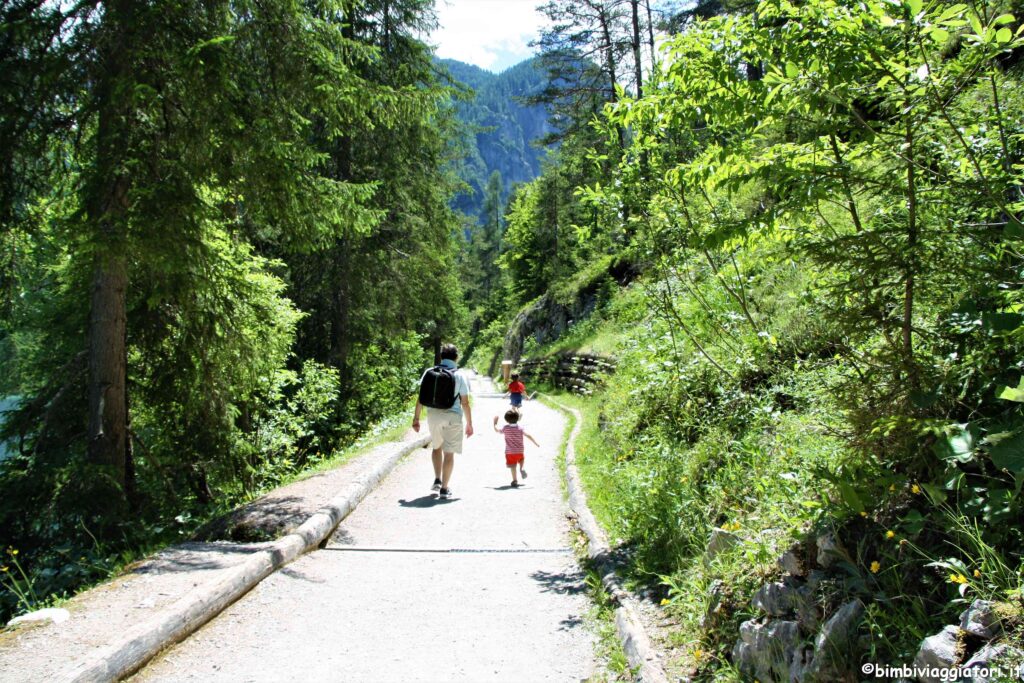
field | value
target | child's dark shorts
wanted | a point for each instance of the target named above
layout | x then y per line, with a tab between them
517	400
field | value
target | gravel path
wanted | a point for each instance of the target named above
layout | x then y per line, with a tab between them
482	587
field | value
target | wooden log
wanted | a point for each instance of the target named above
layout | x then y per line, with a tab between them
132	649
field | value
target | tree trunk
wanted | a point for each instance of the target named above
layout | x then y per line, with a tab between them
650	36
609	51
637	61
911	254
108	209
108	415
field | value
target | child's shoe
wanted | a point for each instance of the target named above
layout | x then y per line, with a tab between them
436	486
522	473
445	493
515	484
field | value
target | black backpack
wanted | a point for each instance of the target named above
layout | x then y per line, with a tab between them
437	389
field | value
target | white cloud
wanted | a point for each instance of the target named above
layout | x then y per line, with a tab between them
492	34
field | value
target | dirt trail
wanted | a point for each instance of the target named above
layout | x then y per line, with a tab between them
481	587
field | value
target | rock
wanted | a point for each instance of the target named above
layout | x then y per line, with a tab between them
791	563
835	648
942	651
829	550
814	579
719	541
54	614
988	658
980	620
779	599
800	663
715	594
787	598
766	651
809	616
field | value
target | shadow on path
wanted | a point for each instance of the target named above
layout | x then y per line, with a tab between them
564	583
425	502
196	555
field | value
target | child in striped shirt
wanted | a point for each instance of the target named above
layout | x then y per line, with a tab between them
514	444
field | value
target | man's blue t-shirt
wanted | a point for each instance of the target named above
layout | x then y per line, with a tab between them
461	386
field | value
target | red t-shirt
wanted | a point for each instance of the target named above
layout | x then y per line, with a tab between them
517	387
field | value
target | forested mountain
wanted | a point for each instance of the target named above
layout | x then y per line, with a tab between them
498	130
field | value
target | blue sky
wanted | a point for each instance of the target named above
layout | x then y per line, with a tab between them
492	34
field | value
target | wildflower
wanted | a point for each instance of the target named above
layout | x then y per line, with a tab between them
915	489
977	574
665	601
903	541
14	552
892	488
957	578
890	534
5	568
698	654
875	567
863	513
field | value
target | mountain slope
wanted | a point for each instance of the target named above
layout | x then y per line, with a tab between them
499	129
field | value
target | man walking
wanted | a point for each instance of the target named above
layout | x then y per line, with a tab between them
445	393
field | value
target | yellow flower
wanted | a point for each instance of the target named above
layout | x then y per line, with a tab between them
698	654
890	534
4	568
863	514
892	488
875	567
665	601
977	573
14	552
957	578
915	489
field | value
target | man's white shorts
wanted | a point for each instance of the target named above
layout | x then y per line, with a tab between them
445	430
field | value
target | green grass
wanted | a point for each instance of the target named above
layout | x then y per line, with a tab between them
672	449
550	401
601	619
389	429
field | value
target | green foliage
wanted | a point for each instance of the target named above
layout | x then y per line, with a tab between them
825	202
269	244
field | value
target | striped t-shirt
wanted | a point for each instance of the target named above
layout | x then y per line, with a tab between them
513	438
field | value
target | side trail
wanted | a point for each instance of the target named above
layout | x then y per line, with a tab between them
483	586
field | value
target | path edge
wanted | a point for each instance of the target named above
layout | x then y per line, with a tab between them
186	615
642	655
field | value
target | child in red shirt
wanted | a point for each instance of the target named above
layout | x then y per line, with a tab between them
514	445
516	391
